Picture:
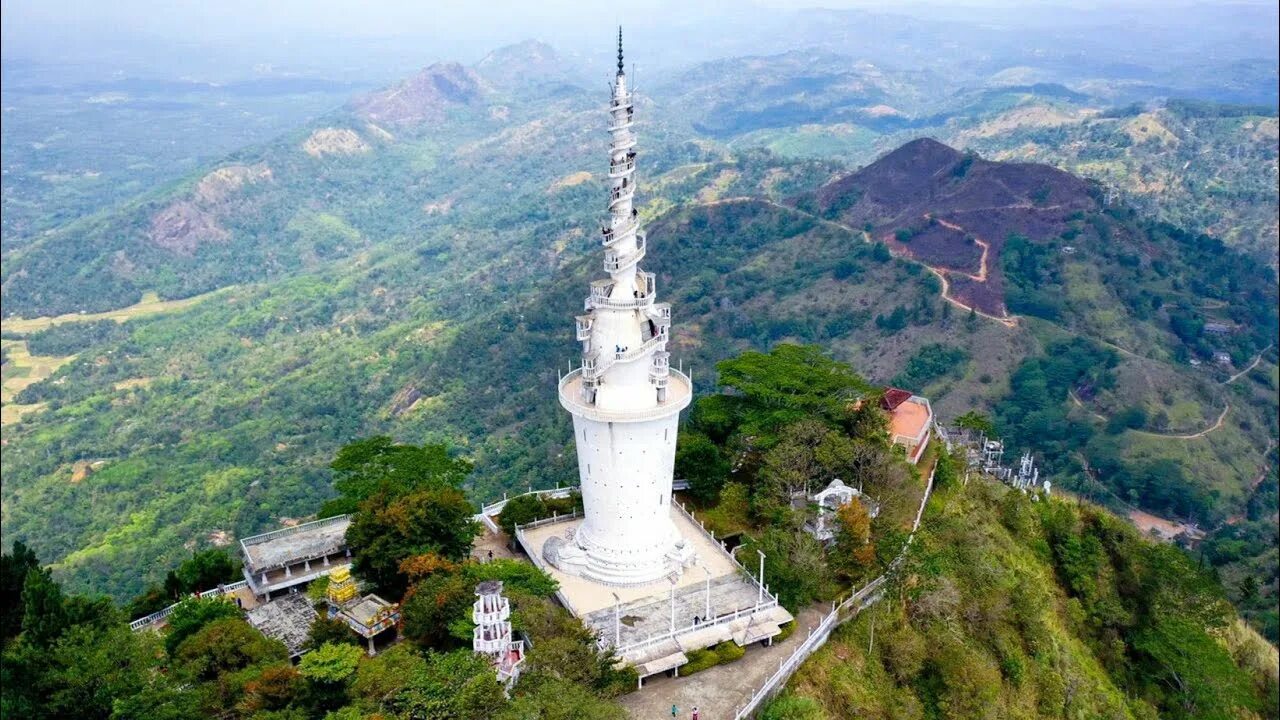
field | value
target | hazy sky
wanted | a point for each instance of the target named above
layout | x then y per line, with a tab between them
384	38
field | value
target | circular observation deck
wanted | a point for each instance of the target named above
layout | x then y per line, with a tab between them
679	395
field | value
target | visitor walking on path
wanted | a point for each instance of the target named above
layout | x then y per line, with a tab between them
674	710
695	712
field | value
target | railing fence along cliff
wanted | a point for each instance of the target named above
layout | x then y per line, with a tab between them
840	613
159	615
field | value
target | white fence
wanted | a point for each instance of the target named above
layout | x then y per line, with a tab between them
156	617
840	613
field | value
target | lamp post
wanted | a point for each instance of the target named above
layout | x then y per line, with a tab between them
760	593
617	621
707	615
673	606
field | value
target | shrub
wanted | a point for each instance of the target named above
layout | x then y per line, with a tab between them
699	660
728	651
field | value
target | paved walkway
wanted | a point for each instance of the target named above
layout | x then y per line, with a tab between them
719	691
490	541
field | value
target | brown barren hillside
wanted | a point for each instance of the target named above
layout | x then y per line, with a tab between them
953	211
425	97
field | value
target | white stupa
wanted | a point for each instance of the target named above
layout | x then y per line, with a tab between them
625	399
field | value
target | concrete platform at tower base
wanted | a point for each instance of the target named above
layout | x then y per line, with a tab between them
583	596
653	626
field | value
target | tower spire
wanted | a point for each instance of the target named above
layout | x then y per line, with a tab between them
619	49
626	380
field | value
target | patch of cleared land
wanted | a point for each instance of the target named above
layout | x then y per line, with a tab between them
149	305
570	180
22	369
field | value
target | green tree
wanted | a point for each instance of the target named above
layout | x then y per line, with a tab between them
44	615
380	466
520	510
976	421
387	530
795	567
331	663
193	614
791	382
13	576
459	685
225	646
206	569
326	630
701	462
329	670
434	608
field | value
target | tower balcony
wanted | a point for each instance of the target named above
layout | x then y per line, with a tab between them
660	314
620	101
491	640
672	399
486	611
660	371
625	142
618	169
641	298
619	195
610	235
624	125
583	326
616	262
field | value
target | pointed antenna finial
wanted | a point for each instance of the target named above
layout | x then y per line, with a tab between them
619	49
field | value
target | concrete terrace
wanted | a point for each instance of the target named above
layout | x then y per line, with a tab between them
585	596
653	626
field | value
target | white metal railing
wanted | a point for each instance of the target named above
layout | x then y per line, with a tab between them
626	124
868	595
255	539
618	101
610	235
669	406
159	615
613	262
604	643
603	301
498	505
617	170
583	326
644	347
618	194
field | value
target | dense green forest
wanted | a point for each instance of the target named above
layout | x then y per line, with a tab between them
1012	608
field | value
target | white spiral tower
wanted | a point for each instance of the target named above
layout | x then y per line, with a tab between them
625	399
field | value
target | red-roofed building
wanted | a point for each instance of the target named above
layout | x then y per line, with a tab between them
910	420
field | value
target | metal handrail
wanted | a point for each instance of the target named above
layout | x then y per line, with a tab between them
162	614
667	408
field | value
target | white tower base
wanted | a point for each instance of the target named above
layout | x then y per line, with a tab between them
625	466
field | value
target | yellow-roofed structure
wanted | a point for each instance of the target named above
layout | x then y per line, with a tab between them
342	587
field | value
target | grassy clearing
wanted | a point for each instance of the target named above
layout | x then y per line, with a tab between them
149	305
21	369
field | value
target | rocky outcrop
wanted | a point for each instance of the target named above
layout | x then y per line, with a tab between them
425	97
334	141
185	224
